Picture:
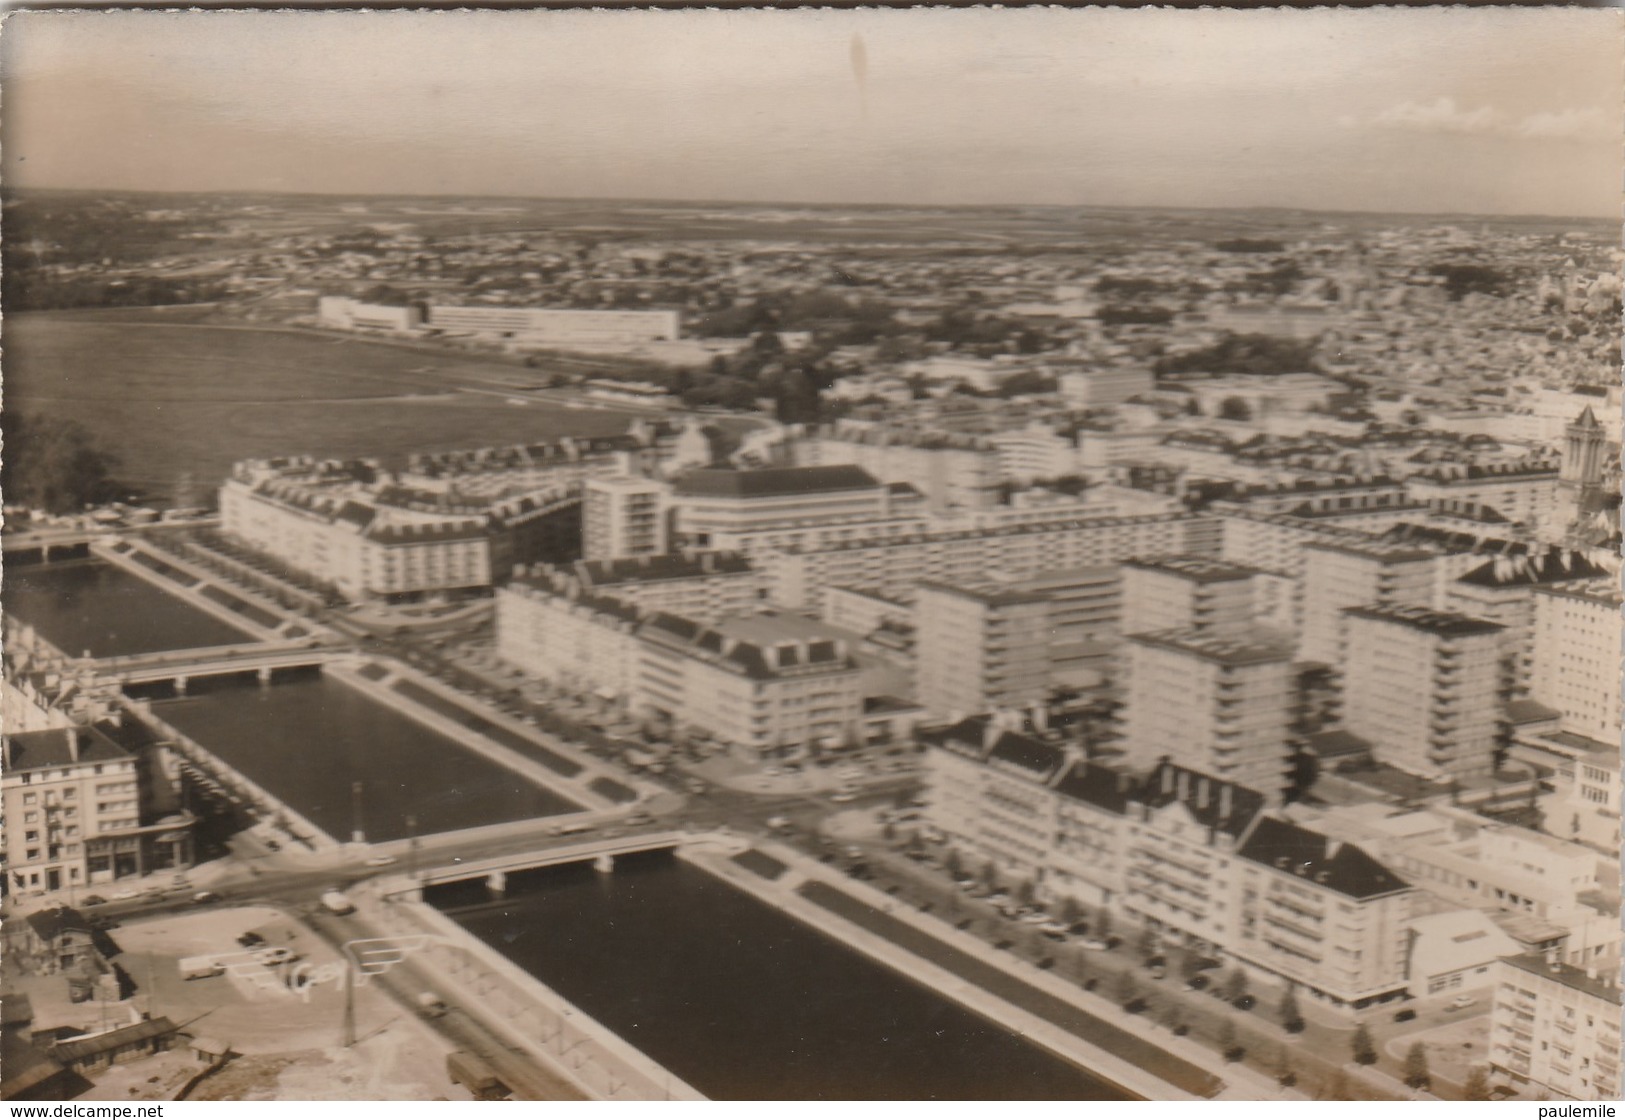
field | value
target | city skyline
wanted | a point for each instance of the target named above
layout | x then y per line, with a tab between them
1495	112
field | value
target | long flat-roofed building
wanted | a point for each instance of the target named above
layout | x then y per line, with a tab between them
751	511
1423	688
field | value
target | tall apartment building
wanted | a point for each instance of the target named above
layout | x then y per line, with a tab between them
1321	914
1575	657
622	517
1102	388
1554	1029
74	814
1423	688
1522	492
1337	576
797	576
979	650
1188	593
1221	705
1085	617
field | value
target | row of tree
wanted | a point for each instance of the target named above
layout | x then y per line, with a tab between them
53	464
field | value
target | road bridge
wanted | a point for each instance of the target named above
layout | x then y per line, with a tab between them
599	850
150	668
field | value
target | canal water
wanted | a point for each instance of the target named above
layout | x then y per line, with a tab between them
92	605
308	740
741	1000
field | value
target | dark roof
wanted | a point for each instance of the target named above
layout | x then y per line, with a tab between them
718	482
670	566
1446	624
16	1009
1567	975
77	1048
1529	711
1097	785
1522	571
1332	864
48	925
1033	755
40	750
1336	744
1198	569
1205	797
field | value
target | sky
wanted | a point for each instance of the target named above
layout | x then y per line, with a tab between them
1418	110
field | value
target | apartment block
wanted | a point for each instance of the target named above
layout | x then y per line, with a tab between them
1322	914
1554	1029
622	517
1575	656
752	511
550	628
1224	706
1423	688
1192	593
979	650
952	471
1336	577
74	813
704	586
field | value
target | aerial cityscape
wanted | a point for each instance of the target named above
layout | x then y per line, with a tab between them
478	631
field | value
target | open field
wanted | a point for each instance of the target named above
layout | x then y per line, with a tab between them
182	401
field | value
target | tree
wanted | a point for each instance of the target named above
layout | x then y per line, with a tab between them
1230	1042
990	874
1069	911
1235	408
1477	1087
52	464
1026	892
889	832
1416	1066
1147	943
1235	985
1285	1075
1128	989
1291	1016
954	863
1363	1049
1334	1088
1190	964
1103	927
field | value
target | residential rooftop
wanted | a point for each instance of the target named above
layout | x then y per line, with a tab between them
772	482
1445	624
1260	648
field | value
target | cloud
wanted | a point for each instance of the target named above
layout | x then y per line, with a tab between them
1443	115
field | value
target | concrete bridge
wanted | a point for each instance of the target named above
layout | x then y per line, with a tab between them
148	668
600	851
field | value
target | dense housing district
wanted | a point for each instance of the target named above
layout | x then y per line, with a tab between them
1242	612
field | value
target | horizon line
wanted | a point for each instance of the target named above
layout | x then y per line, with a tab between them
14	190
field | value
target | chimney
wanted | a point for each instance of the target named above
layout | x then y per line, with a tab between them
1202	792
1167	779
1224	801
990	733
1184	785
73	743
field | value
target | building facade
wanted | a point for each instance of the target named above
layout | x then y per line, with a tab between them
622	517
979	649
1554	1029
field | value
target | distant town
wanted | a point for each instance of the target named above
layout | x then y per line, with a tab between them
1176	653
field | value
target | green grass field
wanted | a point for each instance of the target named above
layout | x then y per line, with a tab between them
180	402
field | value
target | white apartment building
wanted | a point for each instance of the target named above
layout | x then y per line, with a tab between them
1339	576
351	315
1037	451
1322	914
73	813
1575	660
623	517
953	471
1503	591
1103	387
1188	593
704	586
797	576
863	611
763	701
547	627
751	511
1554	1029
1423	688
1220	705
979	650
1522	492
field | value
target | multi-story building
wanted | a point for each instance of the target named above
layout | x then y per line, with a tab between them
1104	387
1575	657
761	700
1193	593
752	511
74	813
622	517
1423	688
1522	492
797	576
1554	1029
1085	617
1180	847
563	326
953	471
979	649
1221	705
704	586
1339	576
1321	914
549	627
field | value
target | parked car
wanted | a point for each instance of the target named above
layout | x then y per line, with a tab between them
1095	943
1243	1003
203	898
250	939
1196	983
1404	1014
93	900
843	797
1462	1001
